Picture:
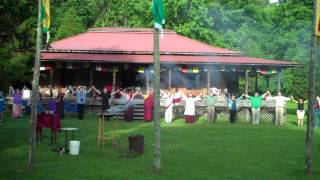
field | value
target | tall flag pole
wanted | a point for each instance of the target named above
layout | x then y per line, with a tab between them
35	89
311	92
158	13
45	17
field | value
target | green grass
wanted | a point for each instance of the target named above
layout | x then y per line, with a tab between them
189	152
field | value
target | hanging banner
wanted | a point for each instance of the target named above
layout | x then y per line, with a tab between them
99	67
191	70
267	72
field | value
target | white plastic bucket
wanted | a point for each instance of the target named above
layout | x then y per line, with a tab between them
74	147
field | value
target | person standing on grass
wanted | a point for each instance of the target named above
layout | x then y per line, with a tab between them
11	91
211	102
148	105
317	112
105	96
280	102
1	105
26	101
232	104
129	96
255	101
189	112
300	110
168	105
81	101
60	104
16	105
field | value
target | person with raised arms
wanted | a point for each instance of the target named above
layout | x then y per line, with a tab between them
233	107
168	105
255	101
211	102
317	112
300	110
189	112
280	102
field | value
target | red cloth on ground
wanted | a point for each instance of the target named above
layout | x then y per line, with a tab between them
48	121
148	106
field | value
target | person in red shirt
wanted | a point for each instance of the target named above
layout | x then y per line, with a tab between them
317	112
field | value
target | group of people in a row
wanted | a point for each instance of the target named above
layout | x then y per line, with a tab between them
173	98
21	100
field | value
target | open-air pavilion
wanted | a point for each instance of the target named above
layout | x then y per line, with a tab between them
123	57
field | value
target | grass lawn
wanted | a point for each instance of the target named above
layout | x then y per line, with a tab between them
189	152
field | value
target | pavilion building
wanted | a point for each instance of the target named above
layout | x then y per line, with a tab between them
123	57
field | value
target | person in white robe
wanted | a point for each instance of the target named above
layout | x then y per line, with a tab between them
168	97
190	113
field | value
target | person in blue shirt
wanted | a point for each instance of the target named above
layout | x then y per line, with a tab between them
232	104
81	100
1	105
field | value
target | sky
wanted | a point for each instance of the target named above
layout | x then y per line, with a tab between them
273	1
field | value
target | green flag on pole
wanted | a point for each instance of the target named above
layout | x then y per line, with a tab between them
158	14
45	12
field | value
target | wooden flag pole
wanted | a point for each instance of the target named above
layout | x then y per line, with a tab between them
156	115
311	96
35	90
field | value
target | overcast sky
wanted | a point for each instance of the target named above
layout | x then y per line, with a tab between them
273	1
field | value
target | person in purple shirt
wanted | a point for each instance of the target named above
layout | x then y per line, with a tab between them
16	104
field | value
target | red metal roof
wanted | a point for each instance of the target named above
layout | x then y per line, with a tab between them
131	45
148	59
133	40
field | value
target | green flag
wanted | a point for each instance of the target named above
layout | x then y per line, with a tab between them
158	14
45	12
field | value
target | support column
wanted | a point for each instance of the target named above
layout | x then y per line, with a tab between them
279	80
268	81
147	79
114	76
208	80
51	76
91	75
256	82
247	83
170	78
197	83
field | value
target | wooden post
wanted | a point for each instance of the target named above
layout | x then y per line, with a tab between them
51	76
208	80
114	79
156	84
256	82
147	80
247	83
114	76
170	78
197	83
279	80
311	96
35	91
91	75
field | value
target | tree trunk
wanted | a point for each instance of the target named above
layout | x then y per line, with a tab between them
35	91
311	97
156	84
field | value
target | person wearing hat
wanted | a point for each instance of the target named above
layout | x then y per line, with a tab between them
211	102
